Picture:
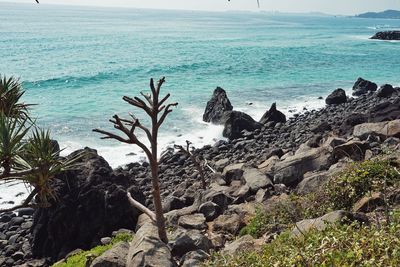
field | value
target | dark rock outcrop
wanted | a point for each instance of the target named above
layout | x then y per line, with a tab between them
238	121
362	87
91	204
336	97
387	35
385	90
273	115
216	108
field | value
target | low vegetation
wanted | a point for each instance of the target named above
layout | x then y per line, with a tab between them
338	245
80	259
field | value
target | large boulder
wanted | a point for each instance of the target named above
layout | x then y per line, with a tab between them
273	115
383	129
216	108
291	170
91	203
387	35
362	87
146	249
336	97
236	122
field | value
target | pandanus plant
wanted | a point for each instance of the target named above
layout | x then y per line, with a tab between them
27	154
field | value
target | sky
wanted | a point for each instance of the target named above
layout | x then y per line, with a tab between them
342	7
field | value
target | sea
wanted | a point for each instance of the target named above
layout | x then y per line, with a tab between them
76	64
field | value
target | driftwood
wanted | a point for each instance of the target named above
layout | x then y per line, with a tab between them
140	207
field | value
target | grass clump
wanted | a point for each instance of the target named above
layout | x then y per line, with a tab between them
337	245
79	259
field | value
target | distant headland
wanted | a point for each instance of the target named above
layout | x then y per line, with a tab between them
387	14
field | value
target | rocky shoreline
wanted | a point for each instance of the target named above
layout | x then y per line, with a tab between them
260	161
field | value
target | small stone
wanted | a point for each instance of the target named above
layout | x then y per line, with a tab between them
105	240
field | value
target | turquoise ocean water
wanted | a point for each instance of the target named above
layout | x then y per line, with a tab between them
77	62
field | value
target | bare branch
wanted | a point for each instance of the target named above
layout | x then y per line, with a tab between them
109	135
159	84
164	99
167	110
140	207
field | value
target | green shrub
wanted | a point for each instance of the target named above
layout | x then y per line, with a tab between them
338	245
79	259
360	179
278	217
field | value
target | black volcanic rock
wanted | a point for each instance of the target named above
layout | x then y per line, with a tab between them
91	204
387	35
385	90
336	97
273	115
236	122
362	87
218	105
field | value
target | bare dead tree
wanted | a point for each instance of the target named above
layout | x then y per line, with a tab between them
153	108
196	161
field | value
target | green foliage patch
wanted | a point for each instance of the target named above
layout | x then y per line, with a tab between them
79	259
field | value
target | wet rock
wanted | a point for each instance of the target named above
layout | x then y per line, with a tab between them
362	87
273	115
385	90
387	35
236	122
336	97
216	108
